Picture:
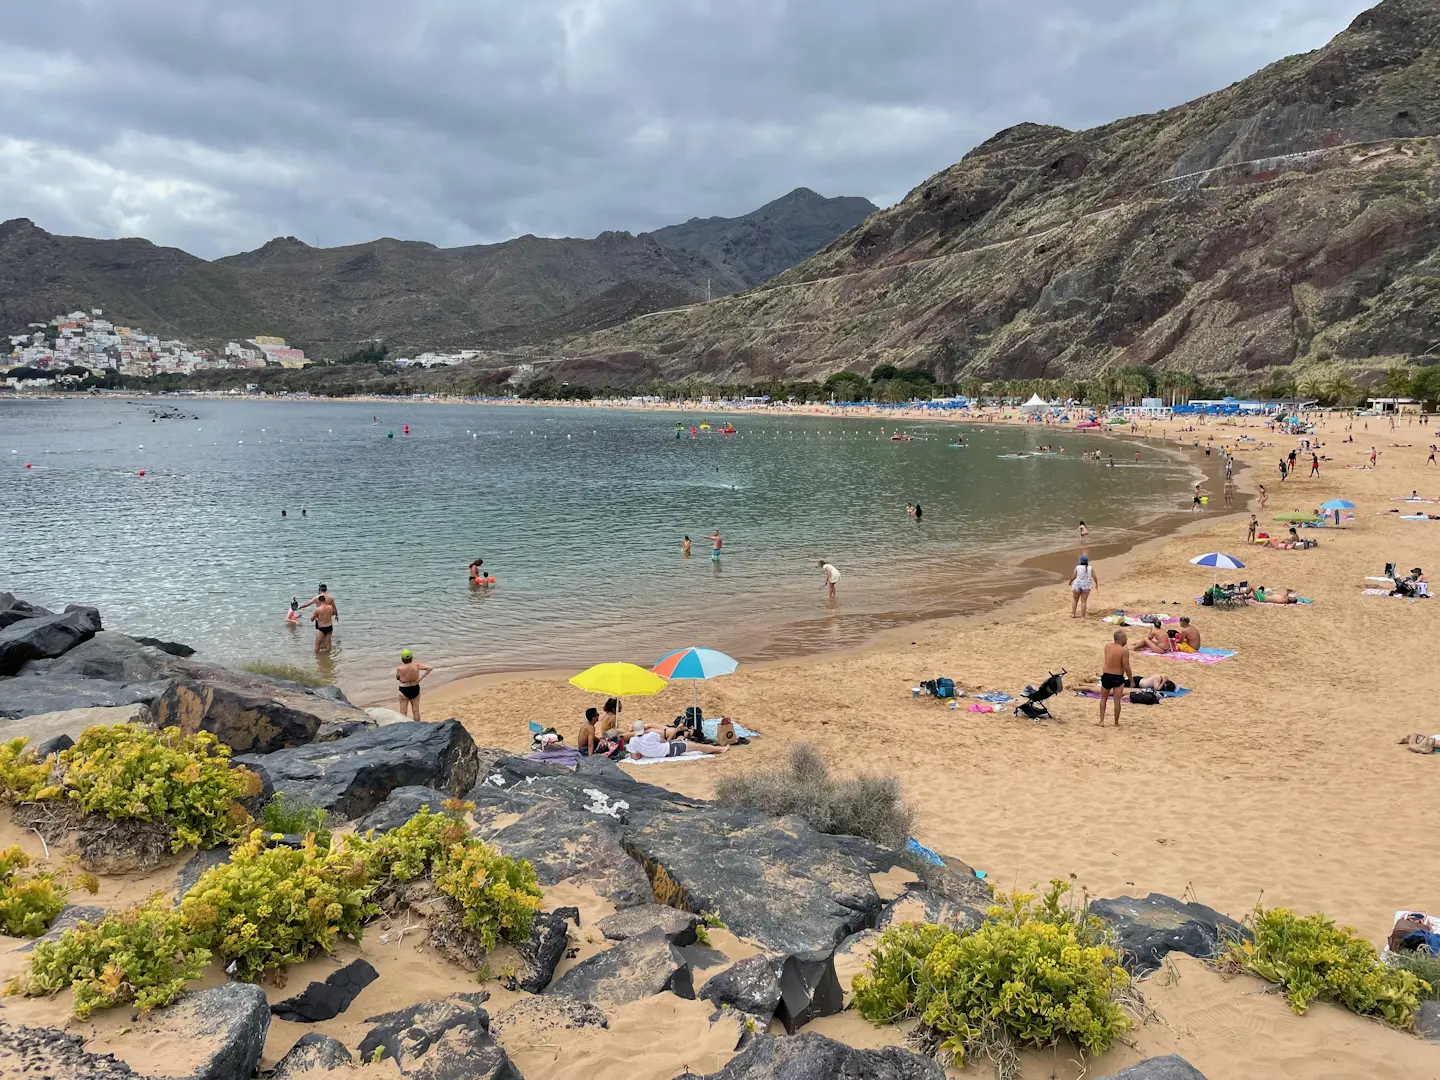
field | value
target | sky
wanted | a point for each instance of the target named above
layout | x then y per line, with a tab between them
216	126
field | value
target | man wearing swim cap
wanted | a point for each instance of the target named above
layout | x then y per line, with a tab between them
408	675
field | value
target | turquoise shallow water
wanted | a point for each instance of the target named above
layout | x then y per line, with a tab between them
579	512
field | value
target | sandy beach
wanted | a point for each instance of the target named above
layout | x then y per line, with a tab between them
1279	777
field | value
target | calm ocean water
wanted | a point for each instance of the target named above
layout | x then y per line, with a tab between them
579	512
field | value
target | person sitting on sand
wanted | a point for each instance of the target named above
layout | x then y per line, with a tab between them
1289	543
587	740
650	741
1156	641
1189	640
1157	683
609	719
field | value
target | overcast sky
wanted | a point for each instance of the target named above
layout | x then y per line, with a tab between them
215	126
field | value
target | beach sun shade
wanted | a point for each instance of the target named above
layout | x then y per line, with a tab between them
619	680
694	663
1219	562
1337	504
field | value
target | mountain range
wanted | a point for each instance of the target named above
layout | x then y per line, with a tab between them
410	293
1292	218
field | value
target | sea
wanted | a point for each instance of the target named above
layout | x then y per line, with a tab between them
197	520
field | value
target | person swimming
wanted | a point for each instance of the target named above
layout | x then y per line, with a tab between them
293	615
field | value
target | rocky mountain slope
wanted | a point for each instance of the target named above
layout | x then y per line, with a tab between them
1291	217
409	293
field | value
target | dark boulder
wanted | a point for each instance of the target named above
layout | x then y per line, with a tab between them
35	695
538	1015
1169	1067
750	986
572	845
924	906
233	1018
110	656
813	1057
332	693
45	636
313	1053
778	883
174	648
632	970
327	1000
1148	930
195	868
440	1040
597	787
400	806
56	744
247	721
808	989
542	952
13	610
1427	1021
678	926
47	1054
352	776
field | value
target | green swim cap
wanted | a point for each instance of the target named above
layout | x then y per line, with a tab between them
406	654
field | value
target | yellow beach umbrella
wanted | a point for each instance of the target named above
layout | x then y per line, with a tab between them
619	680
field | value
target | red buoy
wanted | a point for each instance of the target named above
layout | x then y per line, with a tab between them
28	465
142	472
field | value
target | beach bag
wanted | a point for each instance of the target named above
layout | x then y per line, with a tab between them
725	733
1144	697
944	688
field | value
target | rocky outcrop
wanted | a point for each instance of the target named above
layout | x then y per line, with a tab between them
251	714
1169	1067
13	610
638	968
311	1055
749	986
37	695
71	915
440	1040
47	1054
1150	929
400	806
813	1057
43	637
352	776
537	1015
541	953
45	728
327	1000
218	1033
924	906
679	926
592	855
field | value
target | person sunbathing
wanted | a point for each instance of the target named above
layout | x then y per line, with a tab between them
1289	543
588	738
1264	596
657	741
1189	636
1158	683
1157	641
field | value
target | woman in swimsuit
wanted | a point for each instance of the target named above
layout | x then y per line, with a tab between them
408	675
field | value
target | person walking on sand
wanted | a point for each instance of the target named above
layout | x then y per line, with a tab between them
1115	674
1314	465
715	543
1292	460
1082	581
1254	527
831	577
1264	496
1195	501
1229	491
1373	457
408	675
324	619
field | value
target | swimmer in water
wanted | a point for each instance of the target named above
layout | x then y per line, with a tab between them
476	575
408	675
715	544
685	547
293	615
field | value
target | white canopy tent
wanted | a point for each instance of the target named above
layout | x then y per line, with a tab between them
1036	404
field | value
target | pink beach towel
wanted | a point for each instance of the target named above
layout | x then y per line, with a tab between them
977	707
1204	656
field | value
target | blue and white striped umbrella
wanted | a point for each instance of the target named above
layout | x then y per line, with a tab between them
694	663
1219	561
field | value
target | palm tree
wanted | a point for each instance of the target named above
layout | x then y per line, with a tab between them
1105	386
1067	389
1134	386
1341	391
1184	386
1310	387
1398	382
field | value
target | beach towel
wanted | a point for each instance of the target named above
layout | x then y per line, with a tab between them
995	697
1387	592
1179	691
1140	620
981	708
568	759
711	726
692	755
1206	655
1414	517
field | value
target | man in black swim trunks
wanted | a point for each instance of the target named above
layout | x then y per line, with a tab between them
1115	674
323	593
324	620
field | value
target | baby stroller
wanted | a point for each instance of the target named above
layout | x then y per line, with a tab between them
1035	697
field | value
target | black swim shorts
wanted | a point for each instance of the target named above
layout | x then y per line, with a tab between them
1112	682
410	692
326	629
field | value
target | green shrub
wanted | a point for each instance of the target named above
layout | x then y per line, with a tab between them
142	955
271	906
868	806
1424	966
1029	975
128	773
23	777
288	672
1313	959
412	850
29	904
295	817
498	895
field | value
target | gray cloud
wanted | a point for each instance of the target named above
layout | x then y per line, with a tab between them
215	126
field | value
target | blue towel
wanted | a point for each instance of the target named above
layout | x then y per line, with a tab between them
995	697
710	727
1179	691
1218	652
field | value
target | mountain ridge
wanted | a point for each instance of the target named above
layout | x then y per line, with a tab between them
407	292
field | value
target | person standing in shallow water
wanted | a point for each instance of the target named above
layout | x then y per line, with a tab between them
832	575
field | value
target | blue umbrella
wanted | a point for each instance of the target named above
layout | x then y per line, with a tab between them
694	663
1219	562
1337	504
